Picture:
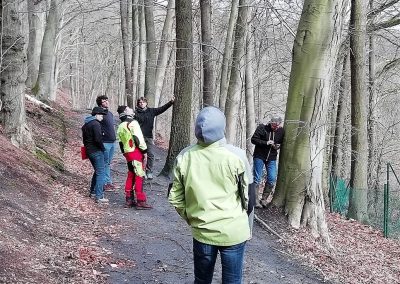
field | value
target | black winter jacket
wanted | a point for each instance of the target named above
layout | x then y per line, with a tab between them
107	126
146	116
260	138
92	136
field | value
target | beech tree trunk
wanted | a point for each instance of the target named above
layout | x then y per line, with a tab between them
249	93
142	50
135	51
43	87
13	76
164	50
123	4
36	17
223	89
299	187
206	51
181	116
358	203
235	82
151	54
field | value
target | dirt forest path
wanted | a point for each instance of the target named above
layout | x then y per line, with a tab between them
156	245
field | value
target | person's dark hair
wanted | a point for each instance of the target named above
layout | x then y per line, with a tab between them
100	98
141	99
121	109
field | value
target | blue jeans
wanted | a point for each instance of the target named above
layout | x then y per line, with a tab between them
108	155
205	255
258	167
96	186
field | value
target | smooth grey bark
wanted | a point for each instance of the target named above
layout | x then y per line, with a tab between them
43	86
299	186
164	51
151	54
249	93
181	116
358	202
36	18
206	48
235	81
13	76
223	89
142	50
123	4
135	50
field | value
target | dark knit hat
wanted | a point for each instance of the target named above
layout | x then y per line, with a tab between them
121	109
99	110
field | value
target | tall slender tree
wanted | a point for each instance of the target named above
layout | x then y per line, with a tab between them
181	117
358	203
151	54
206	48
235	81
43	88
123	4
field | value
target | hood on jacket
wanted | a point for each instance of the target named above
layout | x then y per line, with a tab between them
89	118
210	125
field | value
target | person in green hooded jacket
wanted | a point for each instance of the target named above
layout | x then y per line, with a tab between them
210	192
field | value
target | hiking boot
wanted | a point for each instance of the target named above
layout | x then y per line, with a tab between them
109	187
149	175
102	200
129	202
142	205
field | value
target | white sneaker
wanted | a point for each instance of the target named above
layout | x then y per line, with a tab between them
102	200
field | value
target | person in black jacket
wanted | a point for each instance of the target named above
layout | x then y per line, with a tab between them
93	141
145	116
267	139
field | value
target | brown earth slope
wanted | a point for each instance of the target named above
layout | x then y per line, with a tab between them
48	230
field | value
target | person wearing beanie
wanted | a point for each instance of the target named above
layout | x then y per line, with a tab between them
145	116
107	126
134	149
92	136
267	140
210	192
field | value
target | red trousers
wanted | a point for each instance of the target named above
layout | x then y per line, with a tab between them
134	180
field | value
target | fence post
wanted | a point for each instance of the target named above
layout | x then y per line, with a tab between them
386	204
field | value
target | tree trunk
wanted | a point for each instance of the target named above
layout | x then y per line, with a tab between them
235	82
36	25
373	176
123	4
135	51
42	87
338	144
151	54
223	89
13	76
358	203
249	93
206	51
315	50
181	116
164	51
142	50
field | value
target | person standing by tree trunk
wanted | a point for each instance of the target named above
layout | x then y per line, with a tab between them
107	126
145	116
268	139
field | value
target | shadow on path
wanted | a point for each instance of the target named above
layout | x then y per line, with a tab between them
158	244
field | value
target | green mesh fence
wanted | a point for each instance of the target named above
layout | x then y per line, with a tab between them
389	223
339	196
